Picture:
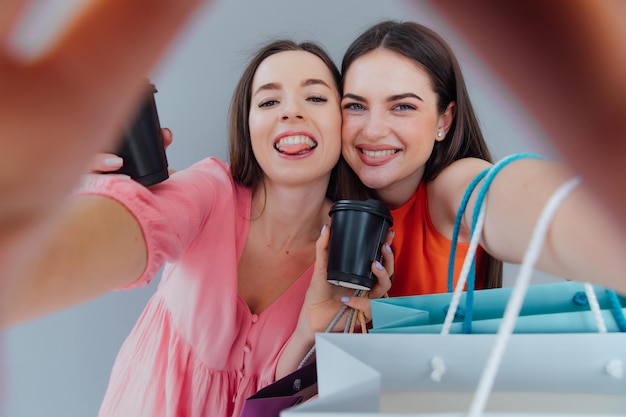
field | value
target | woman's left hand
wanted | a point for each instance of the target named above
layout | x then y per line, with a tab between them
324	300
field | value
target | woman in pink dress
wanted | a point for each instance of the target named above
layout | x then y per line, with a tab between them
238	242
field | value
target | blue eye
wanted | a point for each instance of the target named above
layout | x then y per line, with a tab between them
353	106
404	107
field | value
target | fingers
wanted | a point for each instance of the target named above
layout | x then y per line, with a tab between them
388	259
168	137
383	272
108	162
131	34
105	162
361	304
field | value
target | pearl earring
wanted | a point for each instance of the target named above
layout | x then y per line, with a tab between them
439	134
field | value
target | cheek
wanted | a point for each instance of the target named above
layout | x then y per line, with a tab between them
254	124
349	129
332	126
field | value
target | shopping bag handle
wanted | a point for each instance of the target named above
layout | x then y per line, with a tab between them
467	274
488	175
349	327
516	299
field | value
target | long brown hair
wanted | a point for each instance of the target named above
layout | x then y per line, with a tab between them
431	52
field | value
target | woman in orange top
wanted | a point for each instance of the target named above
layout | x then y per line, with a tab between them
410	134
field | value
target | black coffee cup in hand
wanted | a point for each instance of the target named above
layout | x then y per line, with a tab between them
357	233
142	148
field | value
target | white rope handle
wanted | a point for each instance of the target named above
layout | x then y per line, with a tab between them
514	305
595	307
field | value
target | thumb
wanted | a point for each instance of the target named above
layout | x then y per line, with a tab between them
321	250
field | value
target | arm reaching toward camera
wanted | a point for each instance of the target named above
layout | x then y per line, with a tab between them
80	102
566	61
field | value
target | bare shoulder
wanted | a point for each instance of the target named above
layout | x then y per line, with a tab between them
454	179
445	192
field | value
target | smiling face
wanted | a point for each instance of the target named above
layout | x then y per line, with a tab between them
390	122
295	118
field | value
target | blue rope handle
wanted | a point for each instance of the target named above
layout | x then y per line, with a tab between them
616	310
488	174
457	227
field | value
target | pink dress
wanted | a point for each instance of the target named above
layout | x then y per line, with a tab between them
196	350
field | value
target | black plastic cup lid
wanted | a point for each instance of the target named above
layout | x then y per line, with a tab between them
371	206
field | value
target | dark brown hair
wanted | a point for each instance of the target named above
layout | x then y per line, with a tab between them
431	52
245	169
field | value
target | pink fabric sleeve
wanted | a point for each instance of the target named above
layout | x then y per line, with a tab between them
169	214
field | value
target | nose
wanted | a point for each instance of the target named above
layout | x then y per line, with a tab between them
292	110
292	116
375	126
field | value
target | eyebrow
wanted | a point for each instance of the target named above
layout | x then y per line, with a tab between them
304	83
395	97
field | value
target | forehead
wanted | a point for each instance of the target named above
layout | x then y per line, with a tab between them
396	70
292	67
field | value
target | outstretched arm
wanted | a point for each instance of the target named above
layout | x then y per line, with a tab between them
565	60
582	243
95	246
60	108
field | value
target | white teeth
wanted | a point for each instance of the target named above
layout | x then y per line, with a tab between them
378	154
296	140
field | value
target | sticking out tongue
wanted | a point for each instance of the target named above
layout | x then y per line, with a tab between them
294	149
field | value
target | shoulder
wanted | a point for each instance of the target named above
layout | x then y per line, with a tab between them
211	166
209	173
446	192
453	180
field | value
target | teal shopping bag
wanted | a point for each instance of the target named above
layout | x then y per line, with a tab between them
560	307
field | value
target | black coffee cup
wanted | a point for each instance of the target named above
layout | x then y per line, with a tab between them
358	230
142	147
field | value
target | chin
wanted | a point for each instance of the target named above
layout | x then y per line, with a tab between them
373	180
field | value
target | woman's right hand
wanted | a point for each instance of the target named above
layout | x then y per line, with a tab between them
108	162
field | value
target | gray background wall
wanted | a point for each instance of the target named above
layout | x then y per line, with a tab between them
59	365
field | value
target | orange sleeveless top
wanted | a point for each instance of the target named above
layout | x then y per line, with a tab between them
421	252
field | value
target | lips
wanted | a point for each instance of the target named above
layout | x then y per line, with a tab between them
295	144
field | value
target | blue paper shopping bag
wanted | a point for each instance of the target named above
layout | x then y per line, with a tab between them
560	307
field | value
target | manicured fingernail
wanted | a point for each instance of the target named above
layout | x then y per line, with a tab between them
345	299
323	229
379	266
388	247
113	161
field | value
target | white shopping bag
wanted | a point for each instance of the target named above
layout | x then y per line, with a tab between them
434	375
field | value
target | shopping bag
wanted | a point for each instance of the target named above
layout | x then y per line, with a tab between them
424	375
288	391
506	374
548	308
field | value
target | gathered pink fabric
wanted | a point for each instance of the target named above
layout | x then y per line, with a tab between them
196	350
